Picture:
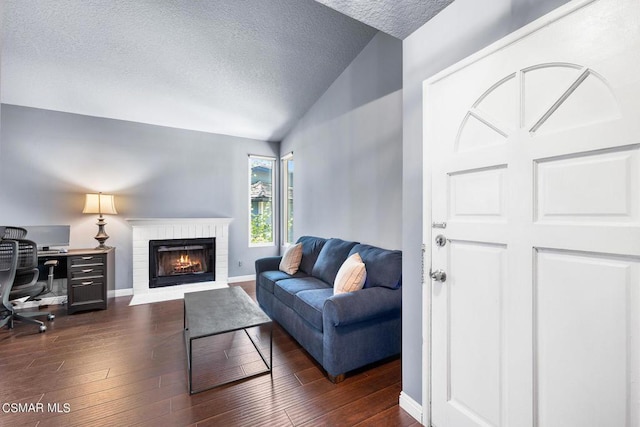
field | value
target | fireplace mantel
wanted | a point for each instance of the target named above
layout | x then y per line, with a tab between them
145	229
173	221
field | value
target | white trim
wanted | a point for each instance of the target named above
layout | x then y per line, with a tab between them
274	193
171	221
426	265
412	407
122	292
258	156
246	278
261	245
503	43
284	200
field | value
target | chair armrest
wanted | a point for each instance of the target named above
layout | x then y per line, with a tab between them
267	264
365	304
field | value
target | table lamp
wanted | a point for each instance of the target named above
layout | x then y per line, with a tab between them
100	204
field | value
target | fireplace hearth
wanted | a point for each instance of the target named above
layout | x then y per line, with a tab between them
181	261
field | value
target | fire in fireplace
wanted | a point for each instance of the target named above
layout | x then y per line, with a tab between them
180	261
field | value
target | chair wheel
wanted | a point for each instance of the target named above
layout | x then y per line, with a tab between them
51	317
42	328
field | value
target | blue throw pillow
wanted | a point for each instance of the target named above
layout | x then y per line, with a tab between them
384	267
311	247
331	257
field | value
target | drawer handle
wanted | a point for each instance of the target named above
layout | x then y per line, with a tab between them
87	270
87	257
90	282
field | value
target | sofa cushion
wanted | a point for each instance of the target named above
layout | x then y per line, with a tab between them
291	259
286	290
384	267
311	247
351	275
309	304
331	257
267	279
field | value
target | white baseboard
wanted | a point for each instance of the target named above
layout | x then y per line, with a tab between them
246	278
412	407
122	292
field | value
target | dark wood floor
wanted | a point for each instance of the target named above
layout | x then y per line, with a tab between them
127	366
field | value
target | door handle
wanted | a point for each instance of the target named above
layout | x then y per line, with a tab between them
439	276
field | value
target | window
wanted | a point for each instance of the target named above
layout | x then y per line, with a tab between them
287	199
261	178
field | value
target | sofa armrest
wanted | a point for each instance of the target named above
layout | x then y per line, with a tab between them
365	304
267	264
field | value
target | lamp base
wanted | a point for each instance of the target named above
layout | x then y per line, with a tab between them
102	235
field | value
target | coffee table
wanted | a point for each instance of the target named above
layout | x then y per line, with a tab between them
220	311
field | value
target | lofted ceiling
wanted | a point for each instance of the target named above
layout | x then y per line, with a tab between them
248	68
398	18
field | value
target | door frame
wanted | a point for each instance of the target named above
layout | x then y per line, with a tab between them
427	162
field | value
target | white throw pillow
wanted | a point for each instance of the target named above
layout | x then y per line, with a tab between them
351	275
291	259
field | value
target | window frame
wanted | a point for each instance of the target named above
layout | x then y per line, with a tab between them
274	199
284	206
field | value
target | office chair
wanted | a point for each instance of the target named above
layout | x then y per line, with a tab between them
8	266
25	281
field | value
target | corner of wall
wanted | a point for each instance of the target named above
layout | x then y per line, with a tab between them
349	142
412	407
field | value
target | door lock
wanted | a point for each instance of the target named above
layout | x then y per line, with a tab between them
439	276
441	240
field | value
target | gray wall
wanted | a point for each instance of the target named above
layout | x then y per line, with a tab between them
461	29
1	44
348	152
51	159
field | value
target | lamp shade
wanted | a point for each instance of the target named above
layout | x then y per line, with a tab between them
99	204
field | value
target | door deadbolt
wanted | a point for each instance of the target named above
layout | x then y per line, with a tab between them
439	276
441	240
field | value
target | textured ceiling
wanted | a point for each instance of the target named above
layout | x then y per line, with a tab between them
247	68
398	18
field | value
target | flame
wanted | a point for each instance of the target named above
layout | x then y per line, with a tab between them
184	261
183	264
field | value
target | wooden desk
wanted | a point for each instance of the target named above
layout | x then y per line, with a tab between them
90	275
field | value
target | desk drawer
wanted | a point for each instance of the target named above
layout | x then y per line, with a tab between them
81	272
80	261
87	291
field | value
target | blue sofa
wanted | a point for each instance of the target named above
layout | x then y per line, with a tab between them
342	332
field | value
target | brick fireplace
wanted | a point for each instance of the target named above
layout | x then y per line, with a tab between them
181	230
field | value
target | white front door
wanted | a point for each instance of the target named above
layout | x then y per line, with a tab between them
535	163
